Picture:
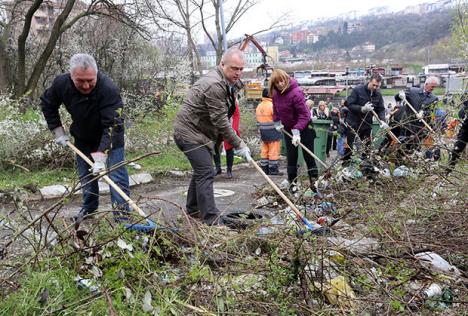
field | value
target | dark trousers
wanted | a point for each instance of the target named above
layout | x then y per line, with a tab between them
331	141
460	144
387	141
91	189
364	135
200	195
292	153
229	159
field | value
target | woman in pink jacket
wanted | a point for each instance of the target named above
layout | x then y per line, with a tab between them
291	114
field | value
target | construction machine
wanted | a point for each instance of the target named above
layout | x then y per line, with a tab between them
253	90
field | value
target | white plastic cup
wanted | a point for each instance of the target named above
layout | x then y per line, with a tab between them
433	290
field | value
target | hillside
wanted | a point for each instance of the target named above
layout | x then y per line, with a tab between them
404	37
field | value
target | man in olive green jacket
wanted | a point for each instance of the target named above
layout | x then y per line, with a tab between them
202	123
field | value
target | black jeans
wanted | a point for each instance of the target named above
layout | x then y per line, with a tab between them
200	195
364	135
292	153
229	159
331	141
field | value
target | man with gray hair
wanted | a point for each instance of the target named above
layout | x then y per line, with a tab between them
202	123
413	131
94	103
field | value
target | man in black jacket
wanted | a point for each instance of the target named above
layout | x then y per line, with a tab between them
364	99
94	103
413	131
462	137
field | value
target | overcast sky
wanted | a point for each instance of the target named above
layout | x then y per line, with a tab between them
262	15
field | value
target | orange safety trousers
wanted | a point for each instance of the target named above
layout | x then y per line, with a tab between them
271	150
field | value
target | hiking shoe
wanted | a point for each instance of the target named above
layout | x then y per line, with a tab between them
82	215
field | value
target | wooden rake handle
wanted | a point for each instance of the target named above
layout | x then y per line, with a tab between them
109	181
416	113
389	132
285	198
307	150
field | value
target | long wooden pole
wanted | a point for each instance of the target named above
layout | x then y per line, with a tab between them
307	150
293	207
389	131
109	181
416	113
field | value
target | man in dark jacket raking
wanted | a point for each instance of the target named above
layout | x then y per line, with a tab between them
422	99
94	104
364	99
462	138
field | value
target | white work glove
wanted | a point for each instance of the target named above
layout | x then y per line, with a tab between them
296	139
278	126
420	115
342	121
402	95
99	164
367	107
60	137
384	125
244	152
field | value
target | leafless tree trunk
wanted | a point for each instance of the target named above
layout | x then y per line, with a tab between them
240	8
27	84
178	13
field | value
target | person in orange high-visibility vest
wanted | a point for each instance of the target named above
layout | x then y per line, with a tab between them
270	137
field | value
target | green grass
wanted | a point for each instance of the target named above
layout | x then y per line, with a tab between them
170	158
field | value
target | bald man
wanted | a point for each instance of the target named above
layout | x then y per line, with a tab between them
422	99
202	123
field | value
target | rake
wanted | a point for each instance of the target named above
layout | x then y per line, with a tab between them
150	225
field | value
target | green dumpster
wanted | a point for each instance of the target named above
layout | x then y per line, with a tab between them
320	143
378	135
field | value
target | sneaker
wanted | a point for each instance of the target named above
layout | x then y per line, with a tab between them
229	174
82	215
217	171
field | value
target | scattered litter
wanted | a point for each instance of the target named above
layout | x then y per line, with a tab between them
96	272
339	292
123	245
433	260
433	290
324	220
337	257
265	231
263	201
87	284
134	165
309	193
147	307
385	173
350	173
277	220
401	171
325	208
362	245
284	184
